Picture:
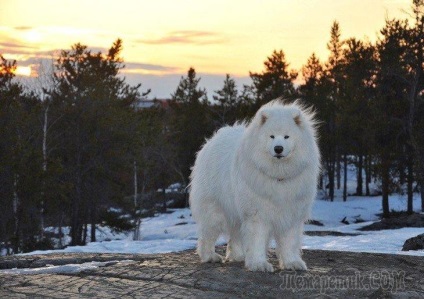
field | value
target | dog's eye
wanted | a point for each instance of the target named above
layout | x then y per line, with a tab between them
286	137
272	136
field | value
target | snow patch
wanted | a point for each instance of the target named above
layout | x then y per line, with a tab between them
63	269
167	232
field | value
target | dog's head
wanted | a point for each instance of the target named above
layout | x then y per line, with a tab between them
281	139
278	129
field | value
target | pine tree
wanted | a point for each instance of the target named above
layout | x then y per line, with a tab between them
276	81
227	99
334	73
316	91
97	107
190	123
415	65
187	90
389	103
19	173
354	103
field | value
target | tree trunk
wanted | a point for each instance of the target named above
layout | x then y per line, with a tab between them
385	177
84	238
420	176
401	170
422	194
46	112
367	174
16	203
135	183
93	221
410	182
345	177
75	218
164	200
338	169
60	230
331	173
359	175
80	234
136	236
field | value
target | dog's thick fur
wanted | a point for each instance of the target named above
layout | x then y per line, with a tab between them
255	182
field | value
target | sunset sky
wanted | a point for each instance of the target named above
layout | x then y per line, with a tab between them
163	38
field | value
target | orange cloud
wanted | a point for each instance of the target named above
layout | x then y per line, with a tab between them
187	37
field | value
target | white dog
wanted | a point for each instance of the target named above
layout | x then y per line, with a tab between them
256	182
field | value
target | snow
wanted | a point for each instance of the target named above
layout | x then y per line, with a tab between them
388	241
69	268
365	208
103	233
176	231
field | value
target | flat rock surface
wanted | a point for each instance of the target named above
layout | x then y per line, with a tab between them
181	275
398	220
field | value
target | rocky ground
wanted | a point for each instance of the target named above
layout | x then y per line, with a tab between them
397	220
180	275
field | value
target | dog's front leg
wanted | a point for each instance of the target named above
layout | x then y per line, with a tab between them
255	236
289	248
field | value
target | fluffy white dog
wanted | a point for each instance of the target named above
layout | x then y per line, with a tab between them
255	182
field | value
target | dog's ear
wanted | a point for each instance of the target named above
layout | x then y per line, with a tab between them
263	118
298	118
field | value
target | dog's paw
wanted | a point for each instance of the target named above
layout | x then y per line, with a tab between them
262	266
295	265
212	258
231	257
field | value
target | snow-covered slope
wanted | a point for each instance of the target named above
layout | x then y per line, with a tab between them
177	231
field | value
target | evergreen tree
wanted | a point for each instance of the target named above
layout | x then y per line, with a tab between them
335	75
354	104
390	91
147	149
316	92
19	173
276	81
414	60
97	107
190	123
228	100
187	90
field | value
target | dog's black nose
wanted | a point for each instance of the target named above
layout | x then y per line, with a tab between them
278	149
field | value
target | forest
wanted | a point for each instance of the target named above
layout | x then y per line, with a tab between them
83	143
